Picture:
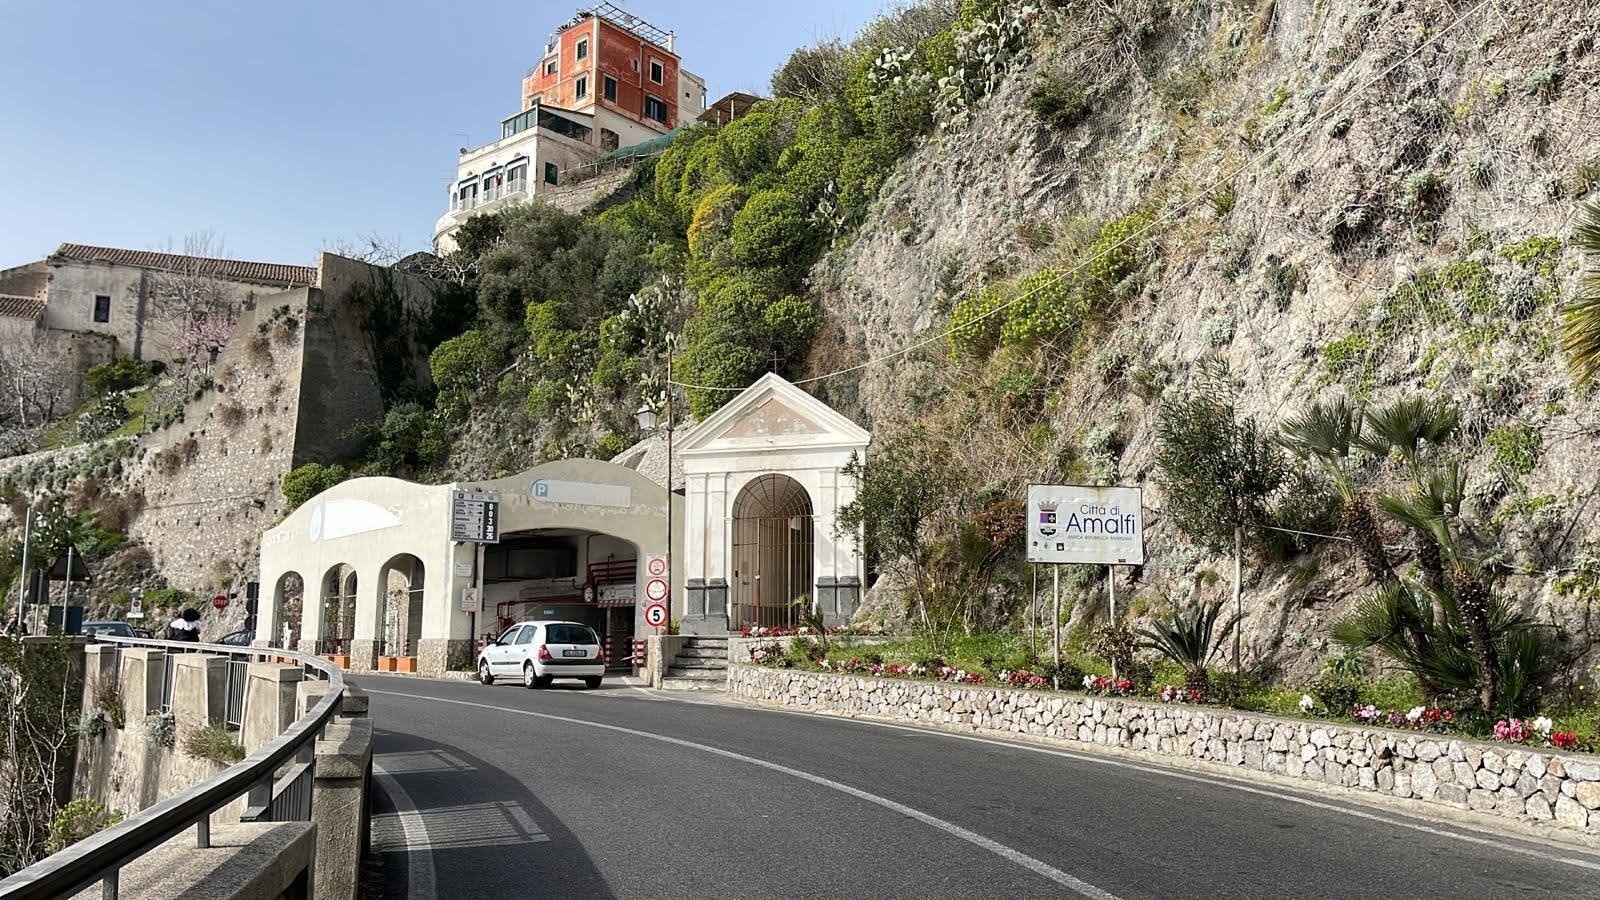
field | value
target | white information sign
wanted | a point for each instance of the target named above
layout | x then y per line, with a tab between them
469	600
1084	524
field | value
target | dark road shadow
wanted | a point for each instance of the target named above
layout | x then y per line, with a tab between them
487	835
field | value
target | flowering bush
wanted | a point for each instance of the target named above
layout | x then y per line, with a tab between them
769	654
962	676
1024	678
1567	740
1420	718
1173	693
849	666
784	631
1514	730
897	670
1099	684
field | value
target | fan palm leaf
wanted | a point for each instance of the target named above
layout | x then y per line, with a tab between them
1325	432
1580	327
1408	426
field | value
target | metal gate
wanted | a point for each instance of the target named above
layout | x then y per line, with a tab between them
772	553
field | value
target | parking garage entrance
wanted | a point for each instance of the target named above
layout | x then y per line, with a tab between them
568	575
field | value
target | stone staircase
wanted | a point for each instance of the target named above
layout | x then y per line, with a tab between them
702	665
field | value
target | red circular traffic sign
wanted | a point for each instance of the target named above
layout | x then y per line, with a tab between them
657	566
655	615
220	601
655	589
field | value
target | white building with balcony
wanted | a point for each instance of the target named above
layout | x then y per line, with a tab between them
608	80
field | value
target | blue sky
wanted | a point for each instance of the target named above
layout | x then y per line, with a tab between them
283	126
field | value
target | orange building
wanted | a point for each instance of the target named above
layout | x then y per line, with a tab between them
608	61
608	80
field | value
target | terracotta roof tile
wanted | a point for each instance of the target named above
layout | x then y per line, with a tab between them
229	269
15	307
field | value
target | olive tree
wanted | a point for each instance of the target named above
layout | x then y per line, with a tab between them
1218	472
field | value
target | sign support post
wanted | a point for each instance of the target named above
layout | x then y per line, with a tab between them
1111	592
1055	618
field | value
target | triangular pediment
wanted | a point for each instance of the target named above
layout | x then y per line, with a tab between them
774	413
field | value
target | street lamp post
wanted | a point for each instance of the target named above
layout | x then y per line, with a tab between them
647	421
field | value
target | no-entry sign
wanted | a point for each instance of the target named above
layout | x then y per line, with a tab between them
655	615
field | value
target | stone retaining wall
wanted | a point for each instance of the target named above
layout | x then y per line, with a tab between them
1517	782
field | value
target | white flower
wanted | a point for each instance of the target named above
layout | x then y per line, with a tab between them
1543	724
1088	681
1415	713
1306	703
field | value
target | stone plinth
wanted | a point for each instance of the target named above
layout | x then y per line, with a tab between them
339	808
200	690
143	669
363	655
270	693
245	860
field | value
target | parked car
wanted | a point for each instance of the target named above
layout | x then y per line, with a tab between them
111	629
539	652
240	638
142	633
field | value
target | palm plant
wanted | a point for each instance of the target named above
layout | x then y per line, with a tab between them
1190	641
1328	433
1580	330
1443	654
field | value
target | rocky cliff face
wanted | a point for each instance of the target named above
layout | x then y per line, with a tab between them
1368	199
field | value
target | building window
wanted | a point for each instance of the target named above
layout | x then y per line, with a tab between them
583	48
102	308
609	140
655	109
550	67
657	73
609	87
551	173
581	89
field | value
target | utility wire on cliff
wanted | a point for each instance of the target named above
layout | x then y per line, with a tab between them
1162	219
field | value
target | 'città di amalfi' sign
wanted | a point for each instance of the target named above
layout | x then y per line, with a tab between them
1069	523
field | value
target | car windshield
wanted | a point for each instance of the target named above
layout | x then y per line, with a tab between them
570	634
117	629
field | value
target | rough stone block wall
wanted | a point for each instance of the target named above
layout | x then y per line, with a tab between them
577	196
1515	781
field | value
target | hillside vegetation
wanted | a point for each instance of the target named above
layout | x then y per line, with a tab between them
1120	243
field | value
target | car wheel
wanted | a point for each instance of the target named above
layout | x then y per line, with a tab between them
483	672
592	682
530	679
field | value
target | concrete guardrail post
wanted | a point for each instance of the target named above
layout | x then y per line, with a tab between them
339	806
200	690
270	694
143	669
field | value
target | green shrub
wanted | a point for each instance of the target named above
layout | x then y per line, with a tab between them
309	480
1516	448
1057	102
791	323
213	743
121	374
609	445
463	366
718	364
773	229
77	820
1338	692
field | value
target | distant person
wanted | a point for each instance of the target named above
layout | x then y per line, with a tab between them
185	626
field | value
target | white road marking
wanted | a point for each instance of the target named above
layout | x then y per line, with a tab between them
420	877
1039	867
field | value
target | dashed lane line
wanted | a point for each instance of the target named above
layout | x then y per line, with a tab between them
1074	884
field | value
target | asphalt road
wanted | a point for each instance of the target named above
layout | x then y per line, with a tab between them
504	792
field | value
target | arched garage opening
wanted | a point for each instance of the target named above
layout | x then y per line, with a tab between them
564	574
772	552
399	587
287	604
338	610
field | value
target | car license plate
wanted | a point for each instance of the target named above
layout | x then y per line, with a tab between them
579	653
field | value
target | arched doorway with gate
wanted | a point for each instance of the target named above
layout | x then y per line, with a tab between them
773	560
400	598
338	612
288	601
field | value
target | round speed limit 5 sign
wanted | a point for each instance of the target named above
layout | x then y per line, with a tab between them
655	615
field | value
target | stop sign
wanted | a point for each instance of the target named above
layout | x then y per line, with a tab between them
220	601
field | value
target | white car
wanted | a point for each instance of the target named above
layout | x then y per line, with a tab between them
539	652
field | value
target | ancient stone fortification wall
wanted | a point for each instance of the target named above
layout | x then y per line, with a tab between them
1517	782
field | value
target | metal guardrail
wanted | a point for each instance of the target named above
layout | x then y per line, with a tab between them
100	858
